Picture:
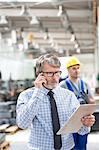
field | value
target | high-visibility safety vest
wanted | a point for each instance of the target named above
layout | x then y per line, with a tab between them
80	92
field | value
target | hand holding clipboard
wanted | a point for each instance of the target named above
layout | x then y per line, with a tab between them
74	123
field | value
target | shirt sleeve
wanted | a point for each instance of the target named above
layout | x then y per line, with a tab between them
84	130
27	107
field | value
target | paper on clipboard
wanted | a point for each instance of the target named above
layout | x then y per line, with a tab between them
74	123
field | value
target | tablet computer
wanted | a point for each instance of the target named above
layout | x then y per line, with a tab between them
73	124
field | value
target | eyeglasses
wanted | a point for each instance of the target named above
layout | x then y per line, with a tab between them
51	74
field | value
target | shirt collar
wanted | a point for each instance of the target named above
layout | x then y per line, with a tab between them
47	90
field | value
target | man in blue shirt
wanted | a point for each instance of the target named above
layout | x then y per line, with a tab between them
81	90
33	107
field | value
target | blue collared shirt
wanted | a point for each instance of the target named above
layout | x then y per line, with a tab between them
33	111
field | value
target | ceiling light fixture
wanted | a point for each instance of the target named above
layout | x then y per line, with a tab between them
34	20
78	50
24	11
60	11
76	45
3	20
72	38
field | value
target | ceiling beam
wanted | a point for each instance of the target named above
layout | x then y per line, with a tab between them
45	12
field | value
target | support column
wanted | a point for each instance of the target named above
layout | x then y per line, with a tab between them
97	50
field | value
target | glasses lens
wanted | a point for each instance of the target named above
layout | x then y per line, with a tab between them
51	74
58	73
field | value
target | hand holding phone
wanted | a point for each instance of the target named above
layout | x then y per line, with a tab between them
40	81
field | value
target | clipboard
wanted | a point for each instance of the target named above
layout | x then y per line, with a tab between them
74	123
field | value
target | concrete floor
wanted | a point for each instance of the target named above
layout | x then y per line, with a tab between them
19	140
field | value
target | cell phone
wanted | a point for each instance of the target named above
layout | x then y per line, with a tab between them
44	82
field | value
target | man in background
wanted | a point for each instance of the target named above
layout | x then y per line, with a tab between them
81	90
